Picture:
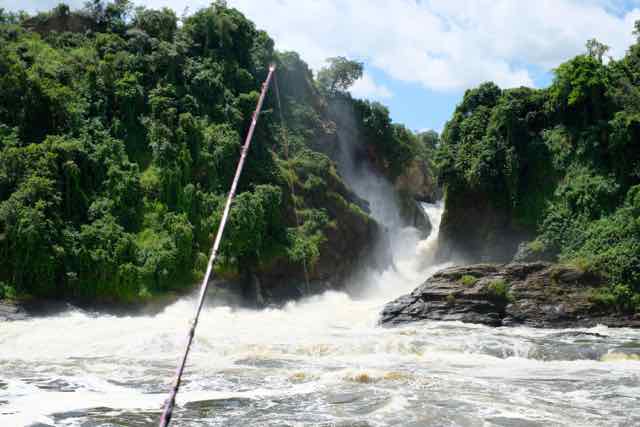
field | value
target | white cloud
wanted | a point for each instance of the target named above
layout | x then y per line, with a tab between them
440	44
366	87
443	45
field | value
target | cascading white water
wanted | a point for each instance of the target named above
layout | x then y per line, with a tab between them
320	361
427	247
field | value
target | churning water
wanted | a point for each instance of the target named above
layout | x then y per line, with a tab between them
320	361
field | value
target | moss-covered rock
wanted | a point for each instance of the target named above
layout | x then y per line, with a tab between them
532	294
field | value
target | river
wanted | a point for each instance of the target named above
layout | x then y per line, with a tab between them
320	361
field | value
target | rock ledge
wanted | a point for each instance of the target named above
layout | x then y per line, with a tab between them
533	294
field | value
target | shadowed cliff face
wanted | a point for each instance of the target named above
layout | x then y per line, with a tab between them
475	229
393	197
350	243
373	207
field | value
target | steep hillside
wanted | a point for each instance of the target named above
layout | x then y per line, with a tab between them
559	167
119	134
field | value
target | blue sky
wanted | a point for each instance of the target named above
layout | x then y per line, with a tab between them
422	108
421	55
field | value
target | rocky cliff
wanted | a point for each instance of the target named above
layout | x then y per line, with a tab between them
475	228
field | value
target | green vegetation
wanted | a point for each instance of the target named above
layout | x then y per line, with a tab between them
391	146
536	246
119	134
395	145
451	299
7	292
563	162
468	280
621	297
339	76
499	290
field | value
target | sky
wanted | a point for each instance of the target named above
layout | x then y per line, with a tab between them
421	55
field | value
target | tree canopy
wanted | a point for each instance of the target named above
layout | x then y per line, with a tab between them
120	130
340	75
563	162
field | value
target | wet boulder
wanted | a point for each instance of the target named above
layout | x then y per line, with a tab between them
534	294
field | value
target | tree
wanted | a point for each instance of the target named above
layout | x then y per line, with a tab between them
161	24
61	10
429	138
339	75
225	26
109	16
94	9
596	50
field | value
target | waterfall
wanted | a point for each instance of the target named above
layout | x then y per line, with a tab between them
322	360
319	361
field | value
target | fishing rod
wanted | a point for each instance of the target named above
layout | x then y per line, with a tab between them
171	400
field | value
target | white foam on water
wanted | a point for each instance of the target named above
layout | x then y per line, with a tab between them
323	358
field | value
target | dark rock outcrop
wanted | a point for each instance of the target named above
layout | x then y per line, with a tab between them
352	240
348	246
412	214
418	181
475	228
532	294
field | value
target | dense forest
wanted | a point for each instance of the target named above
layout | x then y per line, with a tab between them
120	129
558	166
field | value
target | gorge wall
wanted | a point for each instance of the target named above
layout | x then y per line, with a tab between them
119	134
554	169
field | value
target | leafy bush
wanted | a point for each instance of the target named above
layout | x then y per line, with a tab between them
394	143
468	280
536	246
619	297
611	245
451	299
499	290
7	291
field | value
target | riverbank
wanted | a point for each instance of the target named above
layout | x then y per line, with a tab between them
10	310
25	309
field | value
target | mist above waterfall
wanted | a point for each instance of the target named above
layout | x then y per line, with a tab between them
401	243
368	184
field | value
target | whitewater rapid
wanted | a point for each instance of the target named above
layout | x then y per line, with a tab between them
320	361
